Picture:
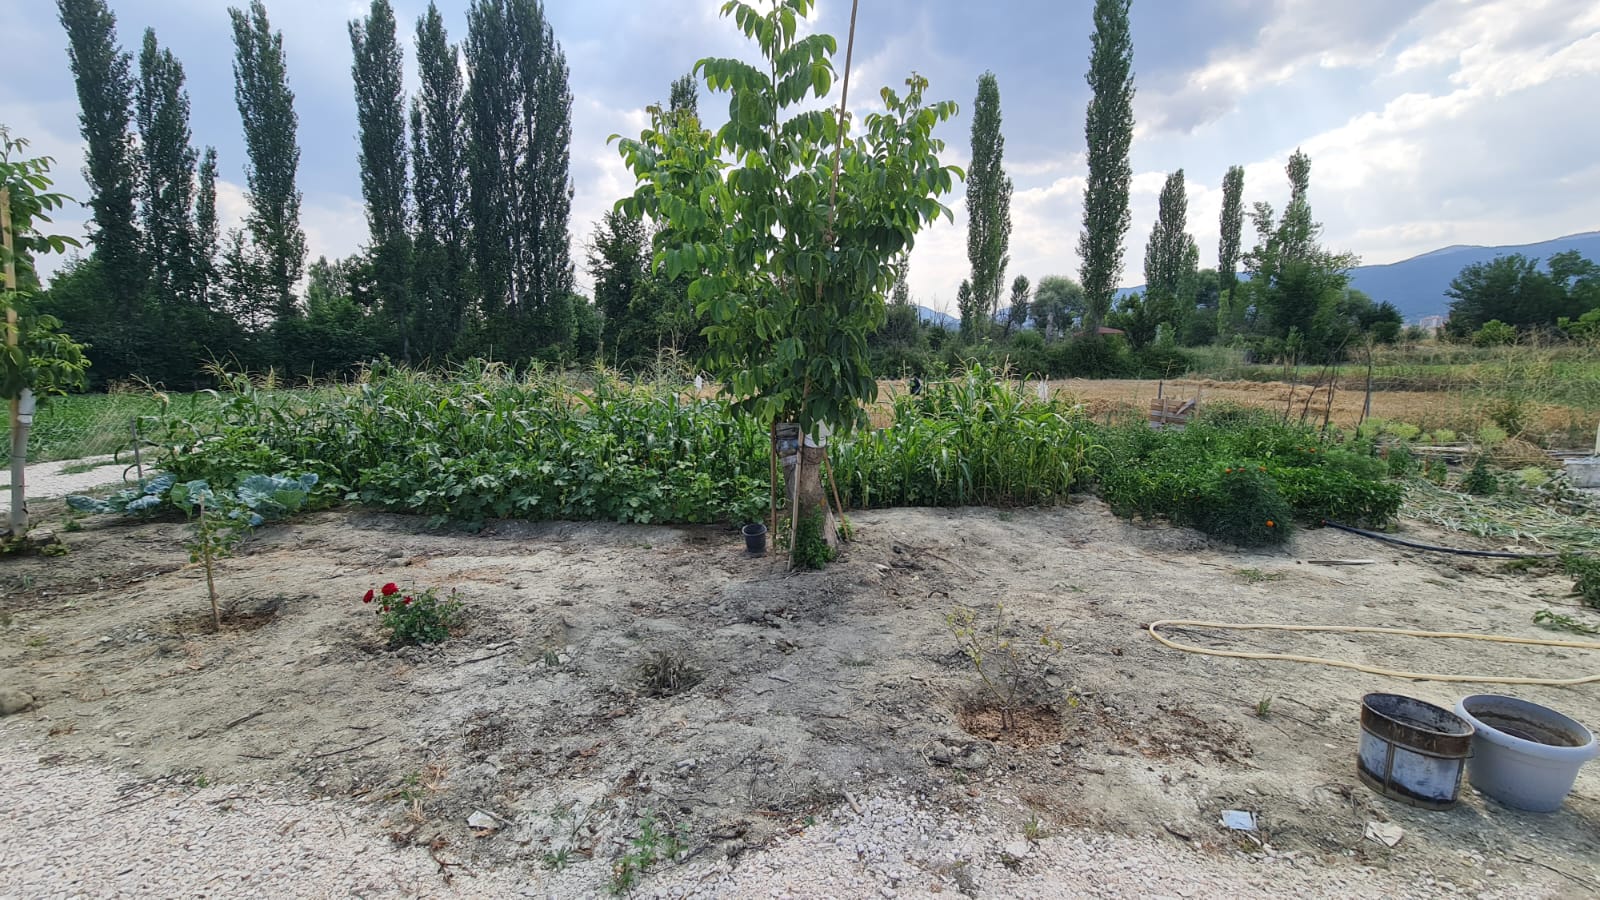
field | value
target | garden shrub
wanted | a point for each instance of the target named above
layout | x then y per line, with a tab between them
1328	492
1243	506
1402	462
1479	480
1233	470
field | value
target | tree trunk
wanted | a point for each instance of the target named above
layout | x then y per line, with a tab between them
803	485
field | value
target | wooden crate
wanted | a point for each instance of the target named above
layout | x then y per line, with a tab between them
1171	413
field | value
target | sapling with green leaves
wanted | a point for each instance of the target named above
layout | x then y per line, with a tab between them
37	359
789	225
222	519
1007	662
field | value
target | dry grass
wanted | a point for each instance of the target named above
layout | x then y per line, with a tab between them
1428	410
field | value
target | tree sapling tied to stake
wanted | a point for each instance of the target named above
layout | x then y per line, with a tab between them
791	228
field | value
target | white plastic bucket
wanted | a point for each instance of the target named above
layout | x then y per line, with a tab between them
1524	755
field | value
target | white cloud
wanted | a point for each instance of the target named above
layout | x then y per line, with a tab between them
1301	34
335	225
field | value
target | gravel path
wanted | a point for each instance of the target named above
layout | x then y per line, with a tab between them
896	847
46	480
80	831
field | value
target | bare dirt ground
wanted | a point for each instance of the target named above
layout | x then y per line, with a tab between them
806	695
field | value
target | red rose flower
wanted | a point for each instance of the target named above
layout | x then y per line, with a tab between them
368	597
407	602
391	589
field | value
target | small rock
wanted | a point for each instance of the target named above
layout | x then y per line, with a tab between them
394	553
13	701
482	820
1018	849
975	758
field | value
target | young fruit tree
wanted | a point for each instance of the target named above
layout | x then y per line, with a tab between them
37	358
789	225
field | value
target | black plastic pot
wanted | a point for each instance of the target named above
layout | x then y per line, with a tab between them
755	538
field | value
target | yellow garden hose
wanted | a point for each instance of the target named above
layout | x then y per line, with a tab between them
1375	670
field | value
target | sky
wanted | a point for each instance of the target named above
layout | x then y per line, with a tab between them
1428	122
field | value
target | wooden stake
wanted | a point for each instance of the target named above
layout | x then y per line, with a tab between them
772	483
1366	406
19	437
827	467
794	501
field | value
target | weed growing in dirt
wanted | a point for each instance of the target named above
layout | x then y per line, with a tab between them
1263	707
811	549
414	618
1559	622
559	857
1033	829
1256	576
653	845
1585	572
664	673
1008	666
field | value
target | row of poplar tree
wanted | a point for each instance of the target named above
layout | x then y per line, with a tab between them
1295	301
466	184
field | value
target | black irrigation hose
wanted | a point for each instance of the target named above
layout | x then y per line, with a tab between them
1402	542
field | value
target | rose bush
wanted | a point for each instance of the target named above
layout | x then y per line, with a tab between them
414	618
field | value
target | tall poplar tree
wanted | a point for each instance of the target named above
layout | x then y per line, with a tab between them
380	117
162	112
1108	131
1170	256
988	201
1021	304
439	185
1231	225
266	106
1229	311
493	148
104	78
519	121
206	227
545	268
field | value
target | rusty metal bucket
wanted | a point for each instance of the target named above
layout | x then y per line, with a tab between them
1413	751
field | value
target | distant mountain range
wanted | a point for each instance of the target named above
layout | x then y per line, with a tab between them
1415	286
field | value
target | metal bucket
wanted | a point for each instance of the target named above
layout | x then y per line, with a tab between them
1413	751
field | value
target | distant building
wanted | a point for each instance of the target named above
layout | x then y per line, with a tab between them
1431	324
